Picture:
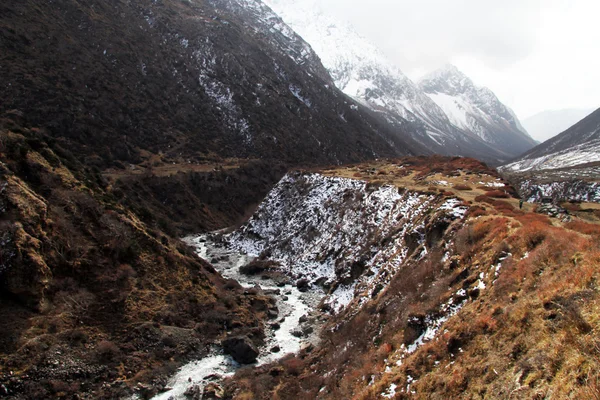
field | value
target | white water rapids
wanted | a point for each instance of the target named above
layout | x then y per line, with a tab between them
292	304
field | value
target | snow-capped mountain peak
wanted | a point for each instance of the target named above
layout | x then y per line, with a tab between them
475	109
471	123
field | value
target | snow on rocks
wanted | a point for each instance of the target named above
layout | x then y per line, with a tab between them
345	235
390	392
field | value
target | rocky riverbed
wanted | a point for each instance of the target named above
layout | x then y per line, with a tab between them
294	323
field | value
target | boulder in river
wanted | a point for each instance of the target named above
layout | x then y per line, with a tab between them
194	392
241	349
303	285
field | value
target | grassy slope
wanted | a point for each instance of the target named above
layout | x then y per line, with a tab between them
531	333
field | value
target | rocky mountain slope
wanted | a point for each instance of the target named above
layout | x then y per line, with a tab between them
360	70
95	302
482	303
476	110
185	81
566	167
577	145
547	124
122	126
345	235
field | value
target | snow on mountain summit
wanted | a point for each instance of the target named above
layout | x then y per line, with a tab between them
455	119
476	109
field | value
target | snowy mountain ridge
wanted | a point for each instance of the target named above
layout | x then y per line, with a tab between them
476	109
566	167
363	72
577	146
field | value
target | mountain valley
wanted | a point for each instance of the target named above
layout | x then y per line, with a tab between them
238	199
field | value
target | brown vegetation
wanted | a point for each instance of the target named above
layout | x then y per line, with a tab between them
529	333
87	289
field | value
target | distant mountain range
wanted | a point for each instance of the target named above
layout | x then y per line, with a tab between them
547	124
451	114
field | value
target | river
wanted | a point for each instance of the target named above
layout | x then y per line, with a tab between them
292	305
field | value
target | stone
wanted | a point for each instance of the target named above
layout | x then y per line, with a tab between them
193	392
303	285
275	326
297	333
241	349
213	391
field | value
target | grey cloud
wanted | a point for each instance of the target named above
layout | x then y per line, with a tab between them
425	34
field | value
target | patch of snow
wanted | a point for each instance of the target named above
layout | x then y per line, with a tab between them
390	392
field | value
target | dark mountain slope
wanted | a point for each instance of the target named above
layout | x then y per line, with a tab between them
92	300
188	80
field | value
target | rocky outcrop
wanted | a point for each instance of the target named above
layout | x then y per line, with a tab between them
345	235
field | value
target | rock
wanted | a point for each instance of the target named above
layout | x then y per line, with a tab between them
307	347
275	326
272	314
241	349
285	298
303	319
303	285
193	392
146	391
296	332
275	349
213	391
271	292
307	330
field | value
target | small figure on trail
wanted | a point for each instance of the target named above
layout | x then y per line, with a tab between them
520	204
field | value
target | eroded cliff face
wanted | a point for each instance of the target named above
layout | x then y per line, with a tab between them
346	236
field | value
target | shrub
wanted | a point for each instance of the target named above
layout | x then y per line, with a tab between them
462	187
583	227
497	194
106	351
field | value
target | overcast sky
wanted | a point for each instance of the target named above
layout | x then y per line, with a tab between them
534	54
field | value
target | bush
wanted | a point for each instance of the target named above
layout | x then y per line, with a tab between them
106	351
497	194
583	227
462	187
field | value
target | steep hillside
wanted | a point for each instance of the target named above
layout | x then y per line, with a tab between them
477	110
496	302
93	301
361	71
566	167
187	81
547	124
578	145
